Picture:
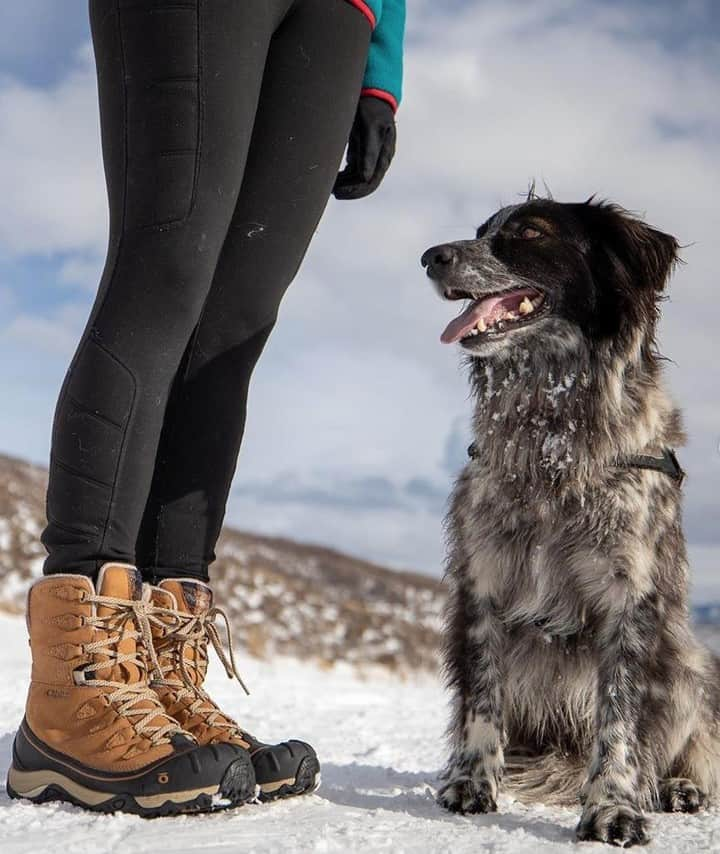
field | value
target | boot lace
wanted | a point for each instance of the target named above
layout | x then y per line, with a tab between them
126	696
195	631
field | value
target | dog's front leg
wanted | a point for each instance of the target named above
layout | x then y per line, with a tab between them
473	656
613	791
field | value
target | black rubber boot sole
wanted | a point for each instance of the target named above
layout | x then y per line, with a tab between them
195	779
236	788
307	780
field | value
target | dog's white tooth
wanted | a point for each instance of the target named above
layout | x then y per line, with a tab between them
481	325
526	306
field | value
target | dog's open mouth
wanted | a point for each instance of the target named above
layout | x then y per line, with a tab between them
494	314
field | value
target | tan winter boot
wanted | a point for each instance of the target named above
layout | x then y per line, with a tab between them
94	733
182	624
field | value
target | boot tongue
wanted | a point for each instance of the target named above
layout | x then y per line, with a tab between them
194	598
119	581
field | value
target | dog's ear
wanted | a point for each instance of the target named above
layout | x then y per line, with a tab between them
654	253
647	255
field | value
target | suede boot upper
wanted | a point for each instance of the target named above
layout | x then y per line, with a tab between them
89	695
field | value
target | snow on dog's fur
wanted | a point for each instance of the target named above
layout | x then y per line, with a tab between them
568	649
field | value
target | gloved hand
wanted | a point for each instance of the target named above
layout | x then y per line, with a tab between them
370	150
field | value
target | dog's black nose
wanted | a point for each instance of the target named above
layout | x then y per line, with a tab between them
439	259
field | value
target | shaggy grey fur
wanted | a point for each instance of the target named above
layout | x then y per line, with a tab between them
568	650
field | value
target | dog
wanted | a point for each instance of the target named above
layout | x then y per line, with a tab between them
568	651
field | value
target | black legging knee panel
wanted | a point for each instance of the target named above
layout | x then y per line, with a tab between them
223	125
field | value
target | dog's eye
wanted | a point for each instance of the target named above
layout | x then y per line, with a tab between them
530	233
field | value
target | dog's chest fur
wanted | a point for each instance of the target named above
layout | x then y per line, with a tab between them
555	534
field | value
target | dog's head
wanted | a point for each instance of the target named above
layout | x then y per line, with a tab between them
558	274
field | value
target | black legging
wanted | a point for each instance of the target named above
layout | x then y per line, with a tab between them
223	126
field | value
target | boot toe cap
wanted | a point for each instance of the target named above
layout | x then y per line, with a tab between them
285	769
228	765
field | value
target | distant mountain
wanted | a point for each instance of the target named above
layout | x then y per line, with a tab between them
707	615
283	598
707	624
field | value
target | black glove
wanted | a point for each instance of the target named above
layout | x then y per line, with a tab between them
370	150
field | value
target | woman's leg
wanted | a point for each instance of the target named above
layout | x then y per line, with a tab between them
309	95
178	89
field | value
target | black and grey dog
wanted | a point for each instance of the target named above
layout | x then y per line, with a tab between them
568	649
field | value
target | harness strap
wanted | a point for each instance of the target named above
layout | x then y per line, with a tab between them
667	464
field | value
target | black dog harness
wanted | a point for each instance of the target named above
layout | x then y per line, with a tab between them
667	464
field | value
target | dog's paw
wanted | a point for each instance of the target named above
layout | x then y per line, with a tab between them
617	824
463	795
680	795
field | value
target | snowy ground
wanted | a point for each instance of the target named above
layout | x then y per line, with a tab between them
380	740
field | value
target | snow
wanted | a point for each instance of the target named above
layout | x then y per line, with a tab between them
381	742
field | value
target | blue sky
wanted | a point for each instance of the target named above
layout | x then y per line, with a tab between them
358	417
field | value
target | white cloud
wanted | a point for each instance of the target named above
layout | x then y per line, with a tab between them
50	171
56	334
82	271
34	353
354	383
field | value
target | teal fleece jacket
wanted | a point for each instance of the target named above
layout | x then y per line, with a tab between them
383	75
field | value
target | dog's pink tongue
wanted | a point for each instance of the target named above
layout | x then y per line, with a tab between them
489	309
462	325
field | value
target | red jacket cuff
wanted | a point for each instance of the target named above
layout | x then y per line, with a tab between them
383	95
